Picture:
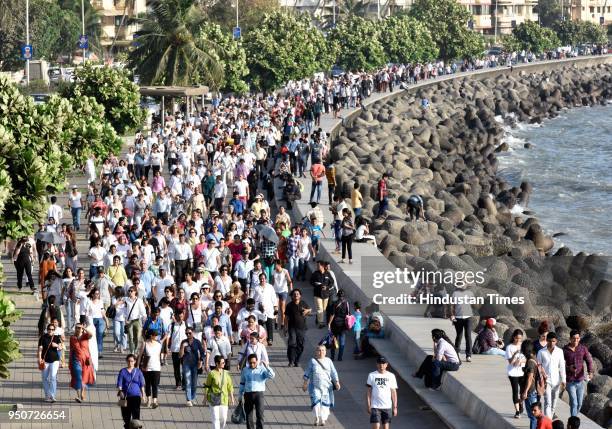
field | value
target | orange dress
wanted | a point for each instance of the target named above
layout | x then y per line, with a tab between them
79	351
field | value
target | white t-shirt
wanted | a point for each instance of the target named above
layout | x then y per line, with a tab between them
153	350
381	385
177	335
514	371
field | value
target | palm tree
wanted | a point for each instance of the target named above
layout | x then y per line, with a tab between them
168	50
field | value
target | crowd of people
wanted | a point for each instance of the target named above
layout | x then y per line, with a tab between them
189	262
190	265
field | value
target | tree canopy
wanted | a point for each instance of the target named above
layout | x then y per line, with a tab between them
405	40
285	47
534	38
356	42
447	22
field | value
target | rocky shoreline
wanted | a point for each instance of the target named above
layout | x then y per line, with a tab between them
447	155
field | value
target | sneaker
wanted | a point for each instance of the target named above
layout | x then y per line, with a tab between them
177	388
517	415
116	349
189	404
48	400
468	359
52	399
154	405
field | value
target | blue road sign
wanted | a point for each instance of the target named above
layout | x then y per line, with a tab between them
27	52
236	33
83	42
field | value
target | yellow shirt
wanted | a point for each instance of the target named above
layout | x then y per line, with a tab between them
117	275
356	199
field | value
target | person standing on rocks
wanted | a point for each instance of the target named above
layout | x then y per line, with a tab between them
460	316
383	194
576	355
552	360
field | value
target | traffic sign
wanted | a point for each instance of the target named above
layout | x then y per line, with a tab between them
601	20
237	33
83	42
27	52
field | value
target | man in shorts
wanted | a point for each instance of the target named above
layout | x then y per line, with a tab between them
382	395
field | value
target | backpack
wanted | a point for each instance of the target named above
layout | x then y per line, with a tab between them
540	379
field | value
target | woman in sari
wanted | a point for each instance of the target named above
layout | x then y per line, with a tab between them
320	380
81	367
236	299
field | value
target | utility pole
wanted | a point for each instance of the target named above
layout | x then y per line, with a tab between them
334	13
495	37
562	11
378	9
83	24
237	24
28	40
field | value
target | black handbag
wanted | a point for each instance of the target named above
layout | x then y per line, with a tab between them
111	312
239	415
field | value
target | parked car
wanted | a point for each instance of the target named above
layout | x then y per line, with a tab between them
55	74
40	98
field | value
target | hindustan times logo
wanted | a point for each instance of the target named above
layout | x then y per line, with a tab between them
414	278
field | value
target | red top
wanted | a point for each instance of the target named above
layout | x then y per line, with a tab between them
317	171
382	189
544	423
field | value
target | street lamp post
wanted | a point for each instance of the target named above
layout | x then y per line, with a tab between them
237	1
378	9
28	40
496	18
334	13
83	24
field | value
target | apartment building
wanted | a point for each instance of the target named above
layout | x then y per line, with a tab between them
481	11
507	14
115	16
323	9
589	10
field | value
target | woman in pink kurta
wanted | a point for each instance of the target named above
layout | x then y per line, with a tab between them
81	367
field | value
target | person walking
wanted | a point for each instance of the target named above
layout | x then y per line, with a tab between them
320	380
176	334
130	390
322	282
295	326
543	421
253	347
135	312
192	355
529	393
317	172
80	363
50	348
337	323
98	315
552	360
576	355
219	393
461	315
516	362
23	257
253	379
149	360
381	395
347	228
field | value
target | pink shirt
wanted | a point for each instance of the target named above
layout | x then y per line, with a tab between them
158	184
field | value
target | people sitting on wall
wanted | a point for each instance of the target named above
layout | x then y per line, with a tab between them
374	329
444	358
488	342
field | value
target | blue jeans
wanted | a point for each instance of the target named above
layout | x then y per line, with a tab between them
301	271
575	390
190	376
438	368
341	343
316	186
100	326
494	351
338	232
531	399
76	217
119	334
49	379
382	206
357	339
293	266
357	211
70	322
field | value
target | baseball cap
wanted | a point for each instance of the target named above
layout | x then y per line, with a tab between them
382	359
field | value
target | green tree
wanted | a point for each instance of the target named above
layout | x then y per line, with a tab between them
53	31
549	12
407	40
357	44
531	37
592	33
568	32
285	47
169	51
447	21
9	346
112	88
231	56
93	20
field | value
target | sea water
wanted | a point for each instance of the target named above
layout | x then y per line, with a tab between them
570	168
